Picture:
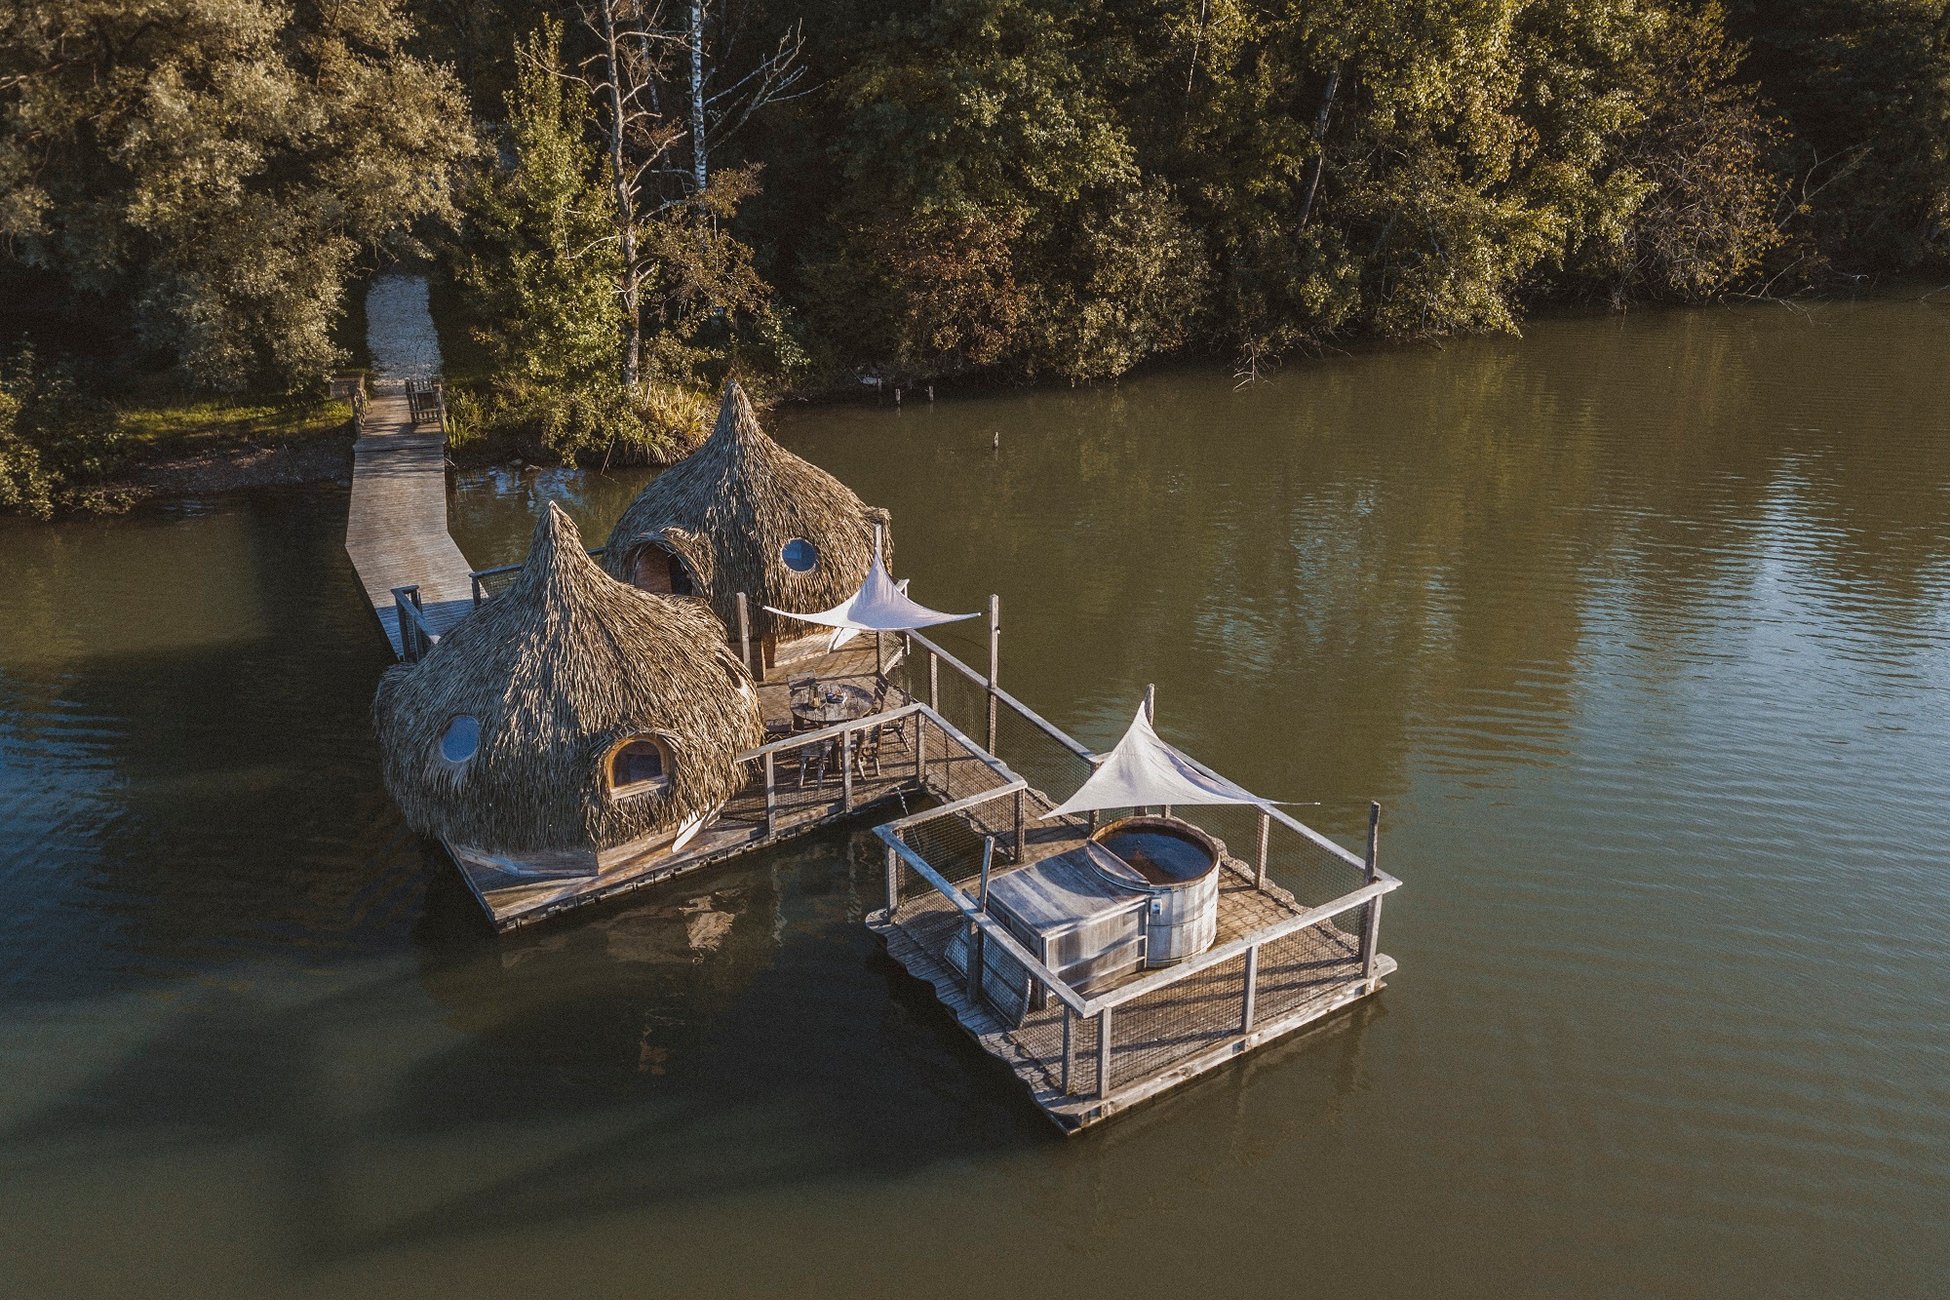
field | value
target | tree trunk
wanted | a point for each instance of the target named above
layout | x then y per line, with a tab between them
1320	144
627	286
698	153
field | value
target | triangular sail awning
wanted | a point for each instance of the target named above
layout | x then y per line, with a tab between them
1144	772
879	606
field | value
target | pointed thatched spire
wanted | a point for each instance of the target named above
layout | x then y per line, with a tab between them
558	670
730	508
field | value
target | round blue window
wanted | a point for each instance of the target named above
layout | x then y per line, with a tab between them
461	740
799	555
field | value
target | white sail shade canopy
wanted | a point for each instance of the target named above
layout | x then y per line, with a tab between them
1143	771
880	605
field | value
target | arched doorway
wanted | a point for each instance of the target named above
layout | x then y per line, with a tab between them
657	568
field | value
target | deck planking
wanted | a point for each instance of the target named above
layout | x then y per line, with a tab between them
396	524
1165	1038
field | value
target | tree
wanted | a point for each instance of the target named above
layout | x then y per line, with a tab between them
656	201
541	263
1712	204
207	171
1864	86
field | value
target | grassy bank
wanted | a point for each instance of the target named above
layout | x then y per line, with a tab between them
187	447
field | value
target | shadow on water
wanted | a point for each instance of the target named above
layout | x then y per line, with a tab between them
739	1032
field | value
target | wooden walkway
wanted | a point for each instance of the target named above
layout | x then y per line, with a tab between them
396	529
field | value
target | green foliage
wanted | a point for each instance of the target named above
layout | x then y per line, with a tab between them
205	172
1864	86
55	438
540	270
1710	203
551	290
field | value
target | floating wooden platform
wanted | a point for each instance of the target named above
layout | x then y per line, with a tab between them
1279	961
396	526
1184	1029
936	763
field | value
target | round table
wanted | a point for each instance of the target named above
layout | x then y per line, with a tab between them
832	703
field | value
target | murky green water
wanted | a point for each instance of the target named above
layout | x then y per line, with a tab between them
1639	628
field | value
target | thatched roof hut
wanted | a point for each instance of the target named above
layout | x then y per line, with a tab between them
742	513
570	712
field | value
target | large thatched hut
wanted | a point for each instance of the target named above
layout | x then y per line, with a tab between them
743	514
571	718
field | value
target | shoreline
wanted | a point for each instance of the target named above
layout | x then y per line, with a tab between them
324	457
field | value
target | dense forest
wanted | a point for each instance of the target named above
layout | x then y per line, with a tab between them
623	201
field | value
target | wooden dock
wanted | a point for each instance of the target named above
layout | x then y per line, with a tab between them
966	763
396	527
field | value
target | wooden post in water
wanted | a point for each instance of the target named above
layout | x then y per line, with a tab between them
974	927
1371	930
745	637
995	660
846	771
1265	833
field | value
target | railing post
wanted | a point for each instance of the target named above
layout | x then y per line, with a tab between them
1103	1052
409	640
1252	989
920	750
771	792
1371	928
475	579
975	938
846	771
893	881
1069	1047
995	660
1022	810
745	637
934	681
1265	833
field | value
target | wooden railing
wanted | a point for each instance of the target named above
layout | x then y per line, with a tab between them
426	400
415	636
1370	885
476	575
913	719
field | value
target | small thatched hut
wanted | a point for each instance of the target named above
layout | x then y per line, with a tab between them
743	514
571	717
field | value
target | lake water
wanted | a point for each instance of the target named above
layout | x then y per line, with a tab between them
1639	628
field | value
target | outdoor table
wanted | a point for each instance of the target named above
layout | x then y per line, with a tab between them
832	703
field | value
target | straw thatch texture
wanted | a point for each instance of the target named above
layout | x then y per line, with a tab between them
559	668
729	507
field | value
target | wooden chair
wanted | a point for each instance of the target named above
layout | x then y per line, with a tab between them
868	748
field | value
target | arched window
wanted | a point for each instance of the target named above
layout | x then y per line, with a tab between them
799	555
461	740
639	765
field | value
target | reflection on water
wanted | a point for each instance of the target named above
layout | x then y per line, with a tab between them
1638	628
